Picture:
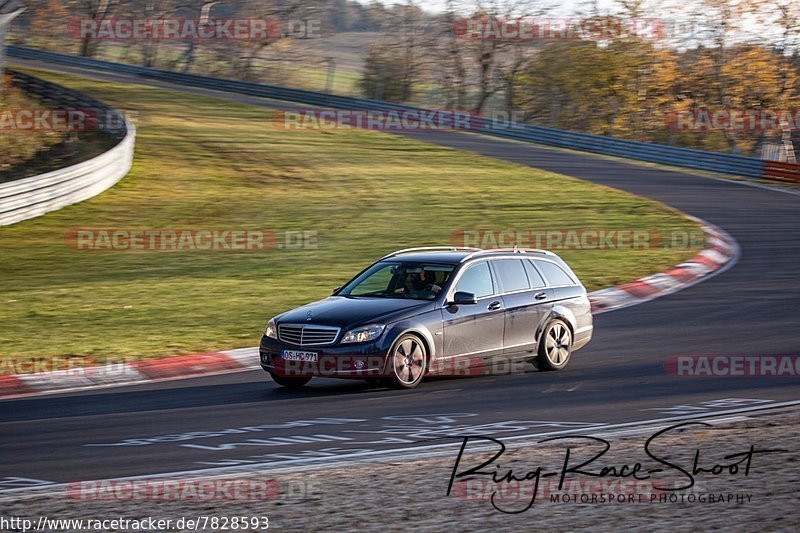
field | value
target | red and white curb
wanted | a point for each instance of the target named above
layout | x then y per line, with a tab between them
137	372
720	253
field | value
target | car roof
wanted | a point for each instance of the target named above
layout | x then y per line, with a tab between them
430	257
456	256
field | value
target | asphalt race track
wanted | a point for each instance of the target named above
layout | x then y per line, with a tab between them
177	426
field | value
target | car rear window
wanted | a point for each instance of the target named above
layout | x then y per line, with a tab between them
536	279
555	274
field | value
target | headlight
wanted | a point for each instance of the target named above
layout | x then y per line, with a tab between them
364	333
271	330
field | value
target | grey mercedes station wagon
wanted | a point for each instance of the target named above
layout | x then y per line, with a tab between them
434	311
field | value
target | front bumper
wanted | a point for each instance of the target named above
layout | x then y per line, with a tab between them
362	360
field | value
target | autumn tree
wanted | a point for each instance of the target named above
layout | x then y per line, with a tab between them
48	25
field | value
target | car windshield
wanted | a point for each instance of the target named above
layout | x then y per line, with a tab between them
398	279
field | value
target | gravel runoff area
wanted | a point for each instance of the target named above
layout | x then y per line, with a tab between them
411	495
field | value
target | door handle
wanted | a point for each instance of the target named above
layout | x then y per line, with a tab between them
540	295
494	306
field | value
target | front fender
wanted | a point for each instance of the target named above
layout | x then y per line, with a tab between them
426	326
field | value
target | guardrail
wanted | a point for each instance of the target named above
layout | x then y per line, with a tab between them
36	195
640	151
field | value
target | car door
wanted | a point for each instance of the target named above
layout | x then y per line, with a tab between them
527	302
474	330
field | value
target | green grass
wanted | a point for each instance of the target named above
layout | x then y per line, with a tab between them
307	74
314	79
207	163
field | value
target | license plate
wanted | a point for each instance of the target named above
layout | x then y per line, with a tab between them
294	355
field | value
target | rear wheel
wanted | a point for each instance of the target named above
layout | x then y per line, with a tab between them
290	383
407	362
555	346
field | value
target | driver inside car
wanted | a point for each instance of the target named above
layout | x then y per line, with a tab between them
422	284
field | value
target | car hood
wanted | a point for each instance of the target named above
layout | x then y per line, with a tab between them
345	312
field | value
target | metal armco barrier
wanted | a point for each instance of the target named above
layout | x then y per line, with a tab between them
640	151
36	195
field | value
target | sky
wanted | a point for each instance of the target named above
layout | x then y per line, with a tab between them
675	13
566	7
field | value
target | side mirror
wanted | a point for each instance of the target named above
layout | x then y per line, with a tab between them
464	298
337	289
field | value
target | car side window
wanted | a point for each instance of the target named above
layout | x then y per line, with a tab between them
555	274
477	279
511	274
536	279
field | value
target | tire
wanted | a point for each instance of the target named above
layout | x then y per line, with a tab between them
290	383
555	346
407	363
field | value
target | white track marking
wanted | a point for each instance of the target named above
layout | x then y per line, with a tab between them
407	453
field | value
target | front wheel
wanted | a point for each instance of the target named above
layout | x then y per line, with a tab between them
407	362
290	383
555	346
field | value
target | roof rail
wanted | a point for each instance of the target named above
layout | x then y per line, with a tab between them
431	249
514	250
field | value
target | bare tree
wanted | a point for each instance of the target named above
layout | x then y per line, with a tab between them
451	62
396	62
496	61
198	9
150	10
243	57
91	10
